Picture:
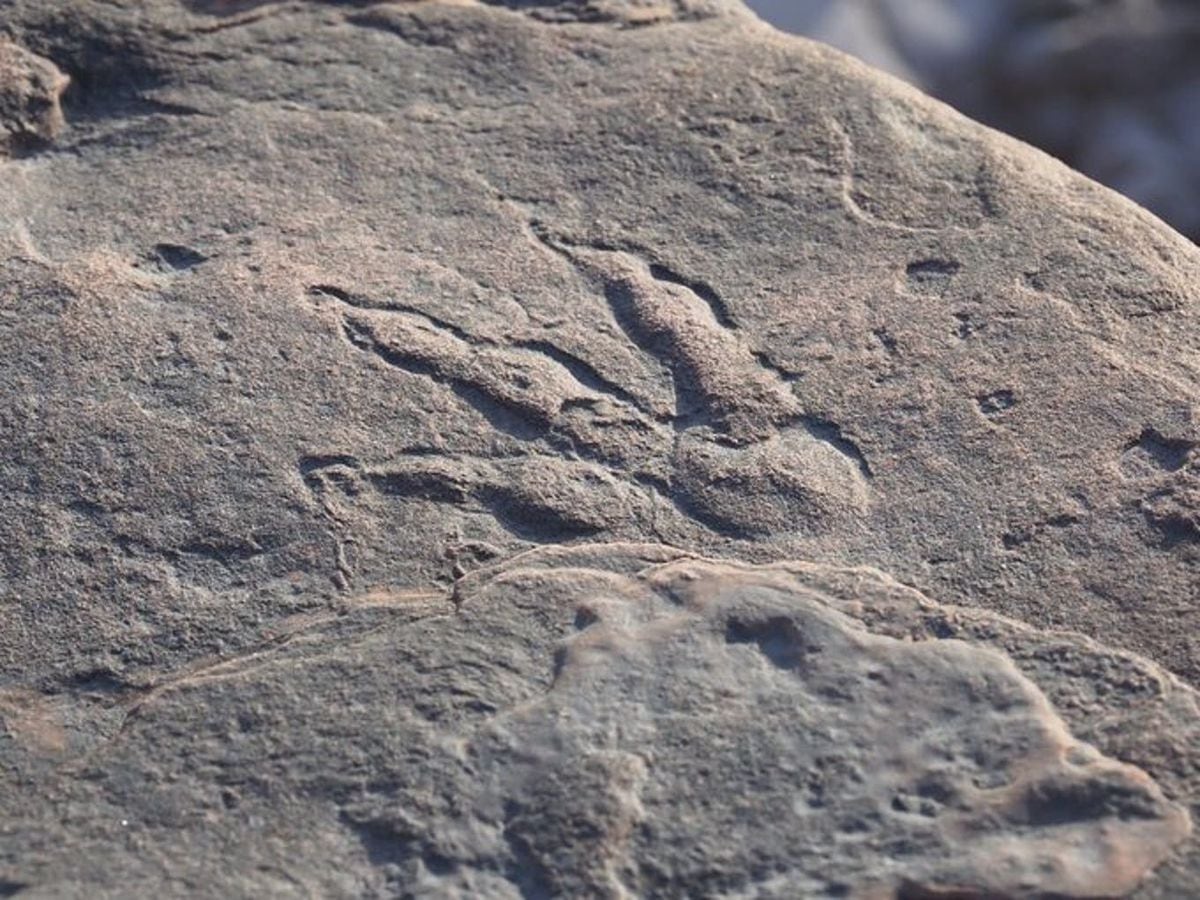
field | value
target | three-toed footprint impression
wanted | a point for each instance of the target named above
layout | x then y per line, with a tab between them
720	441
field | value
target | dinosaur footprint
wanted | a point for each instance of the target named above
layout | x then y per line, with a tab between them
732	449
746	459
523	391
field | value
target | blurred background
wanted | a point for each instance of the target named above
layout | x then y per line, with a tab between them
1111	87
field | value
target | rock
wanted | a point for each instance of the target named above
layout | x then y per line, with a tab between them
347	350
30	92
619	720
1109	87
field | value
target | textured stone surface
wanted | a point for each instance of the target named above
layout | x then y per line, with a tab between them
314	317
30	91
614	721
1110	86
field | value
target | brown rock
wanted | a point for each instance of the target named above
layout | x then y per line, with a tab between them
343	345
31	89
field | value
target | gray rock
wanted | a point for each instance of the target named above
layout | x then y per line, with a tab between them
1112	88
619	721
343	346
30	92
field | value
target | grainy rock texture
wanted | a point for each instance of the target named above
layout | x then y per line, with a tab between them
30	90
618	721
1110	86
361	363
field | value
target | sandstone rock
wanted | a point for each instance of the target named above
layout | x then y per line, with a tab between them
612	721
1112	88
326	327
30	92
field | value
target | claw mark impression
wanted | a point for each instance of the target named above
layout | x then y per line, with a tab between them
732	449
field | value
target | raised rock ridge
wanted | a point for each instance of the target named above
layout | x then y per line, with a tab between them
618	721
317	318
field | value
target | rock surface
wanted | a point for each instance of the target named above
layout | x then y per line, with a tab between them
343	346
1110	86
30	93
618	721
